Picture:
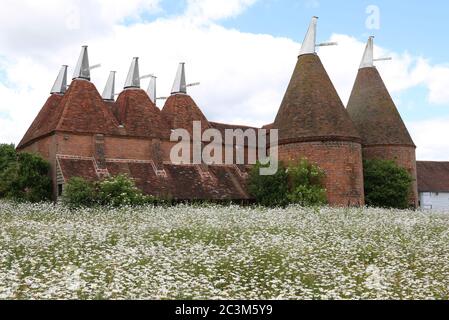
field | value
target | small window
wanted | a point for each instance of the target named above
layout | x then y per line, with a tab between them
60	190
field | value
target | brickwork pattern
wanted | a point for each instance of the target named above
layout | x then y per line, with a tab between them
404	156
342	163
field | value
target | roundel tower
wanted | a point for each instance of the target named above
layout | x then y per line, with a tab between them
314	124
374	113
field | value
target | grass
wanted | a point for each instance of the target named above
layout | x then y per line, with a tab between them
214	252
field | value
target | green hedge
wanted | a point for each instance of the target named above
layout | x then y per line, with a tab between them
113	191
299	183
386	184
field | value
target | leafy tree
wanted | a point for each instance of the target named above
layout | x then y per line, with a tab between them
79	192
7	155
386	184
26	179
270	191
306	183
301	183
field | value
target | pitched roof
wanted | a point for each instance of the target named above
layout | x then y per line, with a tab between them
311	108
139	115
433	176
374	113
180	111
46	120
182	182
84	111
224	126
81	109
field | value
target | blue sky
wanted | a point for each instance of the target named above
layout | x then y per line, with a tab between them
415	27
242	51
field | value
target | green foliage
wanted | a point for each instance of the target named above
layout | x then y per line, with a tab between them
301	183
114	191
119	191
79	192
386	184
7	155
306	183
24	176
270	191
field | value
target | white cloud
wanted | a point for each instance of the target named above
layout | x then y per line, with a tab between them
211	10
243	76
431	138
402	73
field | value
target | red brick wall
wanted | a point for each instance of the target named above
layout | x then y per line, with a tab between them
127	148
342	162
75	145
46	148
41	147
403	156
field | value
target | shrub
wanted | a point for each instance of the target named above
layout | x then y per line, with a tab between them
79	192
386	184
26	179
306	183
120	190
300	183
270	191
7	156
113	191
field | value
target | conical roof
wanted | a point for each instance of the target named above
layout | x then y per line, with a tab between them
84	111
311	109
81	109
374	113
140	116
180	111
45	122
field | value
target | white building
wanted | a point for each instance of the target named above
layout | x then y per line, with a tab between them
433	185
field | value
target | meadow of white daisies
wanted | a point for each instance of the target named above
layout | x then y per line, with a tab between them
214	252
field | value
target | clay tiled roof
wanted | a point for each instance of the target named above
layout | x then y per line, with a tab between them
433	176
223	126
311	108
182	182
114	109
81	110
84	111
46	121
180	111
77	168
374	113
140	116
